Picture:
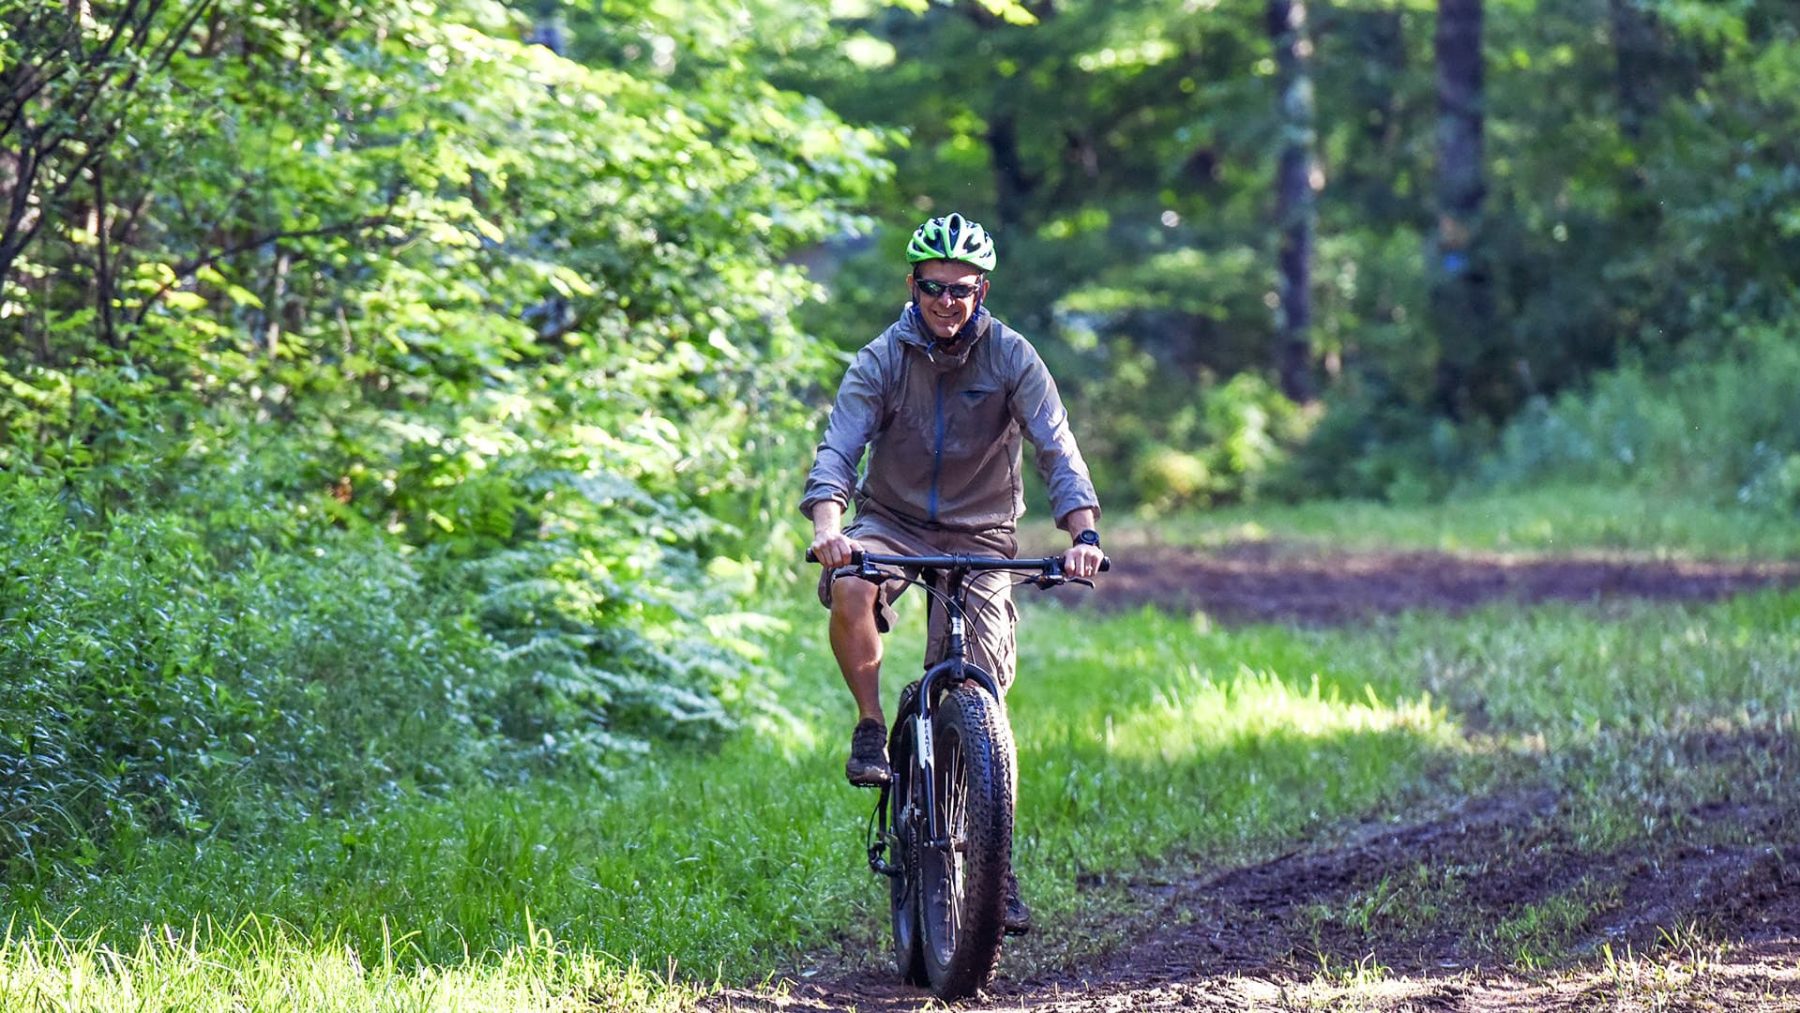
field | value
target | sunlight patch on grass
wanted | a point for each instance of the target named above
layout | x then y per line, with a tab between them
1198	713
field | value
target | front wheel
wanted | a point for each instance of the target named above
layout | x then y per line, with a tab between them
962	873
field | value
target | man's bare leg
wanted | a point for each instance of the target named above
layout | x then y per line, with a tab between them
856	643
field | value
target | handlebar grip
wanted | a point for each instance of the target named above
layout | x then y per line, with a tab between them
856	557
1105	563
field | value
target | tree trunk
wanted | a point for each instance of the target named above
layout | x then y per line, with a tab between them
1635	65
19	223
1012	184
277	300
1461	300
103	273
1297	176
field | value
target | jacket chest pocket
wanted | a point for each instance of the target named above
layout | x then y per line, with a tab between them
975	418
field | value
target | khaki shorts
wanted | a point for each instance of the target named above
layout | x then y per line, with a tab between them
990	640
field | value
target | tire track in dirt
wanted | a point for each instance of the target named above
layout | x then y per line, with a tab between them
1269	582
1253	937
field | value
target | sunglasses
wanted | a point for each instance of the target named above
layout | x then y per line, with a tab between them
935	289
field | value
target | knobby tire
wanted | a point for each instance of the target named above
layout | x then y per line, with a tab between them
962	890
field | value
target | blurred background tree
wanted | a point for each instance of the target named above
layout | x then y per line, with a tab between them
1503	193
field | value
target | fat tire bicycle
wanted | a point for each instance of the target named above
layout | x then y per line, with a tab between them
942	829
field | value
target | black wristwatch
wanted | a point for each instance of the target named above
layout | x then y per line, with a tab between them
1088	536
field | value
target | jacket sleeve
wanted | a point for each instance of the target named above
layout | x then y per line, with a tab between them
854	418
1038	409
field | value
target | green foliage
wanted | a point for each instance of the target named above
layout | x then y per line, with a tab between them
460	345
1637	174
1720	428
1223	445
1371	442
393	410
197	675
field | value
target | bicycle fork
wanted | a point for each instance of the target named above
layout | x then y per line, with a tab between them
922	803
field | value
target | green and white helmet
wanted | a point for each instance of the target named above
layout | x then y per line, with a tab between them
952	237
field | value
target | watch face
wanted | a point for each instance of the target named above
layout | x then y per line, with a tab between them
1088	537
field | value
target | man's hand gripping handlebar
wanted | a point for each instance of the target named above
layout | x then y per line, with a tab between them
1049	568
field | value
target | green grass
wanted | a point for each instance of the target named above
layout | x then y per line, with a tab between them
1542	931
264	965
1144	740
1541	520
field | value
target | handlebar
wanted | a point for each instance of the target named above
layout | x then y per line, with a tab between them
1046	564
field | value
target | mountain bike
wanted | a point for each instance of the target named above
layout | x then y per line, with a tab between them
946	818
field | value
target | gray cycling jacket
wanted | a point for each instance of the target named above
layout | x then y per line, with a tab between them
943	431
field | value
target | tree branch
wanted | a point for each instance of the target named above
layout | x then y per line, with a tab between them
17	233
188	269
126	17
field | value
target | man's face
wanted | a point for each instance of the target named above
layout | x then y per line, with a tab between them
946	313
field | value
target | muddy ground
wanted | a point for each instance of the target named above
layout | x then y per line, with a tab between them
1275	936
1272	582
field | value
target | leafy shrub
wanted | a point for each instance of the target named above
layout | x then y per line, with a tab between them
434	459
1371	442
157	685
203	667
1723	427
1165	478
1155	439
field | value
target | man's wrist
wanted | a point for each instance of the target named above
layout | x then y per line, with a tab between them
827	518
1087	536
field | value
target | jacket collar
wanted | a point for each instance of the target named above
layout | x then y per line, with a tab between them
910	328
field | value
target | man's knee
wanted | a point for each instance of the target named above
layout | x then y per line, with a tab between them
854	601
853	597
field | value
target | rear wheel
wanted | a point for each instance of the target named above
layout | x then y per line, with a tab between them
962	876
903	890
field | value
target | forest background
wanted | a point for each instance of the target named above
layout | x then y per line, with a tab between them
404	396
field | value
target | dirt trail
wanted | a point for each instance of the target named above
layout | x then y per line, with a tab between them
1275	582
1384	910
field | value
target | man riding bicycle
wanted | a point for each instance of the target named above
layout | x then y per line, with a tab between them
939	401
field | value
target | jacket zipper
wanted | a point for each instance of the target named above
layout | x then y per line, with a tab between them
937	453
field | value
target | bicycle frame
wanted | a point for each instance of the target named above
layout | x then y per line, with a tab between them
952	670
926	879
